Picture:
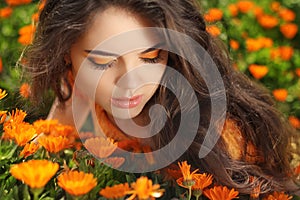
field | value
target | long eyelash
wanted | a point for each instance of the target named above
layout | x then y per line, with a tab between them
152	60
100	66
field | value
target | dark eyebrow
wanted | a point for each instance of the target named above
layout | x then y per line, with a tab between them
157	46
105	53
101	53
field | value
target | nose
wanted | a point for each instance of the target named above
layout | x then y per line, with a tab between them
128	77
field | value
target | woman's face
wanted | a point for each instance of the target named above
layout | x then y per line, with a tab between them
126	83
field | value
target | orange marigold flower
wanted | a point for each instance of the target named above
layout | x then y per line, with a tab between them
253	45
278	196
213	14
185	170
6	12
213	30
3	116
275	6
21	133
24	133
35	173
115	192
26	34
287	14
233	9
63	130
289	30
17	2
54	144
17	116
297	71
294	121
29	149
144	189
234	44
45	126
2	93
245	6
76	183
42	5
280	94
221	193
286	52
258	71
25	90
100	147
267	21
201	181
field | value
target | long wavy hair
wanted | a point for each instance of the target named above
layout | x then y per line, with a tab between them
249	106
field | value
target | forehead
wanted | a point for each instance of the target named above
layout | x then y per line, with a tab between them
116	30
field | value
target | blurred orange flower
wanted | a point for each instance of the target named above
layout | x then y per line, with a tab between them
286	52
213	30
294	121
234	44
253	45
2	93
17	2
275	6
76	183
35	17
278	195
265	42
267	21
25	90
100	147
54	144
144	189
5	12
289	30
297	71
287	14
245	6
29	149
258	71
26	34
35	173
221	193
280	94
258	11
233	9
115	192
213	14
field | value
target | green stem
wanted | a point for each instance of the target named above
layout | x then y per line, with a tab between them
190	193
36	192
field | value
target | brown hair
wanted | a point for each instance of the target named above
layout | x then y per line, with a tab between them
249	106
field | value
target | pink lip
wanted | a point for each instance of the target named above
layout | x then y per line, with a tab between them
125	102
